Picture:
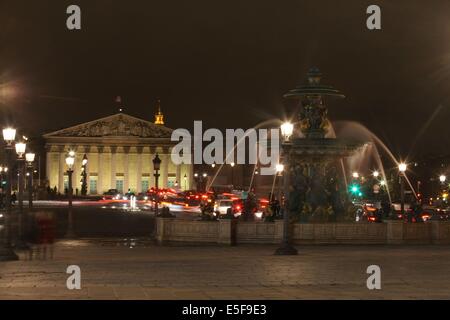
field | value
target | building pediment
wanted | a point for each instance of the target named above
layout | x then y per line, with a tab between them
118	125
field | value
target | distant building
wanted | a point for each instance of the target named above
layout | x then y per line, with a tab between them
120	149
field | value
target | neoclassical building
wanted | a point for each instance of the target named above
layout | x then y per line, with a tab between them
120	149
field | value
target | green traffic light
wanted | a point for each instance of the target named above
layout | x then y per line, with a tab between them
354	188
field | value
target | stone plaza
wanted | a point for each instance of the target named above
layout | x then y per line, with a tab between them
139	269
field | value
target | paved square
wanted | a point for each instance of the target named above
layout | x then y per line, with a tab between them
142	270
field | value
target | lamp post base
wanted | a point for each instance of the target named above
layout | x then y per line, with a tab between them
22	245
8	254
286	250
70	235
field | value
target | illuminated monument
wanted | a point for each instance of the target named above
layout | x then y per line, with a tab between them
318	192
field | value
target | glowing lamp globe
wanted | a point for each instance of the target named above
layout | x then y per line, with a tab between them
20	149
287	129
402	167
9	134
279	168
70	161
29	157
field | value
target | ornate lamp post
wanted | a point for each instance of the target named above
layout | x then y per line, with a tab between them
196	179
232	173
204	180
84	175
402	168
286	248
6	251
279	171
20	150
70	160
29	158
156	167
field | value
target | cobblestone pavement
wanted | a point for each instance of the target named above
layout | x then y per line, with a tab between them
112	270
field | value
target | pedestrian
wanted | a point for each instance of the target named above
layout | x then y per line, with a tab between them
13	198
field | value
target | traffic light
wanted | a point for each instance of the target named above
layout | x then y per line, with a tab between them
355	189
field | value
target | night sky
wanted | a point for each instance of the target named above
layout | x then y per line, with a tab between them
228	63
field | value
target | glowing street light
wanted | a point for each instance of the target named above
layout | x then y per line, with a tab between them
375	174
402	167
20	149
9	134
355	175
70	160
279	168
382	182
287	129
442	178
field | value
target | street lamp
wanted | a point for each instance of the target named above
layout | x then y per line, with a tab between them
29	158
84	175
402	169
442	178
6	251
287	129
355	175
232	164
70	160
279	168
286	248
9	134
185	181
156	167
204	180
20	150
375	174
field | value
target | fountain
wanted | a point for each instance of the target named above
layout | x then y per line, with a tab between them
317	190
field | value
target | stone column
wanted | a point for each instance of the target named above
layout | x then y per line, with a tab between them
139	170
87	150
47	166
191	177
100	171
76	175
179	178
126	171
62	169
151	180
113	167
165	168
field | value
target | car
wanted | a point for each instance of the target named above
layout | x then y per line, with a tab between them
111	194
222	206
